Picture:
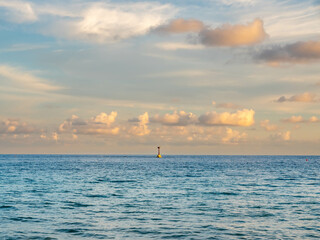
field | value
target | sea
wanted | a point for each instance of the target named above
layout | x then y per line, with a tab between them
175	197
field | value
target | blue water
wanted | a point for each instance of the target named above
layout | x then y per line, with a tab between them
176	197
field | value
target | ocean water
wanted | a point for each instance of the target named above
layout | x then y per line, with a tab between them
176	197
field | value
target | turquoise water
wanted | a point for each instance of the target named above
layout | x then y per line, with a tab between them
176	197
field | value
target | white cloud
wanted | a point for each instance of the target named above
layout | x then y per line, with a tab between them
95	21
110	22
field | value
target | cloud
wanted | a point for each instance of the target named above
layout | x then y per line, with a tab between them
304	97
173	46
180	118
234	35
15	126
102	124
95	21
300	52
281	136
197	135
25	79
267	126
232	136
181	25
141	126
300	119
243	117
111	22
18	11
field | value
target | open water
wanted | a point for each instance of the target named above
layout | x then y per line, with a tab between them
176	197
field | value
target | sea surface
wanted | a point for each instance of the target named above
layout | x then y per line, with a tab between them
176	197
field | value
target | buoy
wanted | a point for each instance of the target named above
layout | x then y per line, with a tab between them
159	155
306	159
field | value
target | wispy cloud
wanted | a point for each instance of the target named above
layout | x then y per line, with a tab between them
18	11
25	79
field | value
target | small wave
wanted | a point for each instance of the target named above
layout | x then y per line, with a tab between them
24	219
122	181
223	193
6	207
75	231
96	196
77	204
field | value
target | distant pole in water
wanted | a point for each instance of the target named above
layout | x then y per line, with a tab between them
159	155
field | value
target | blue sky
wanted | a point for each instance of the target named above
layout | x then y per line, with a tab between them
202	77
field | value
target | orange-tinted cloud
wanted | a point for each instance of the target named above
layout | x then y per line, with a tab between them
282	136
300	119
141	126
300	52
243	117
304	97
180	118
98	125
234	35
181	25
267	126
15	126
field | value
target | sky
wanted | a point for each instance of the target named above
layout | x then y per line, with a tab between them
191	76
